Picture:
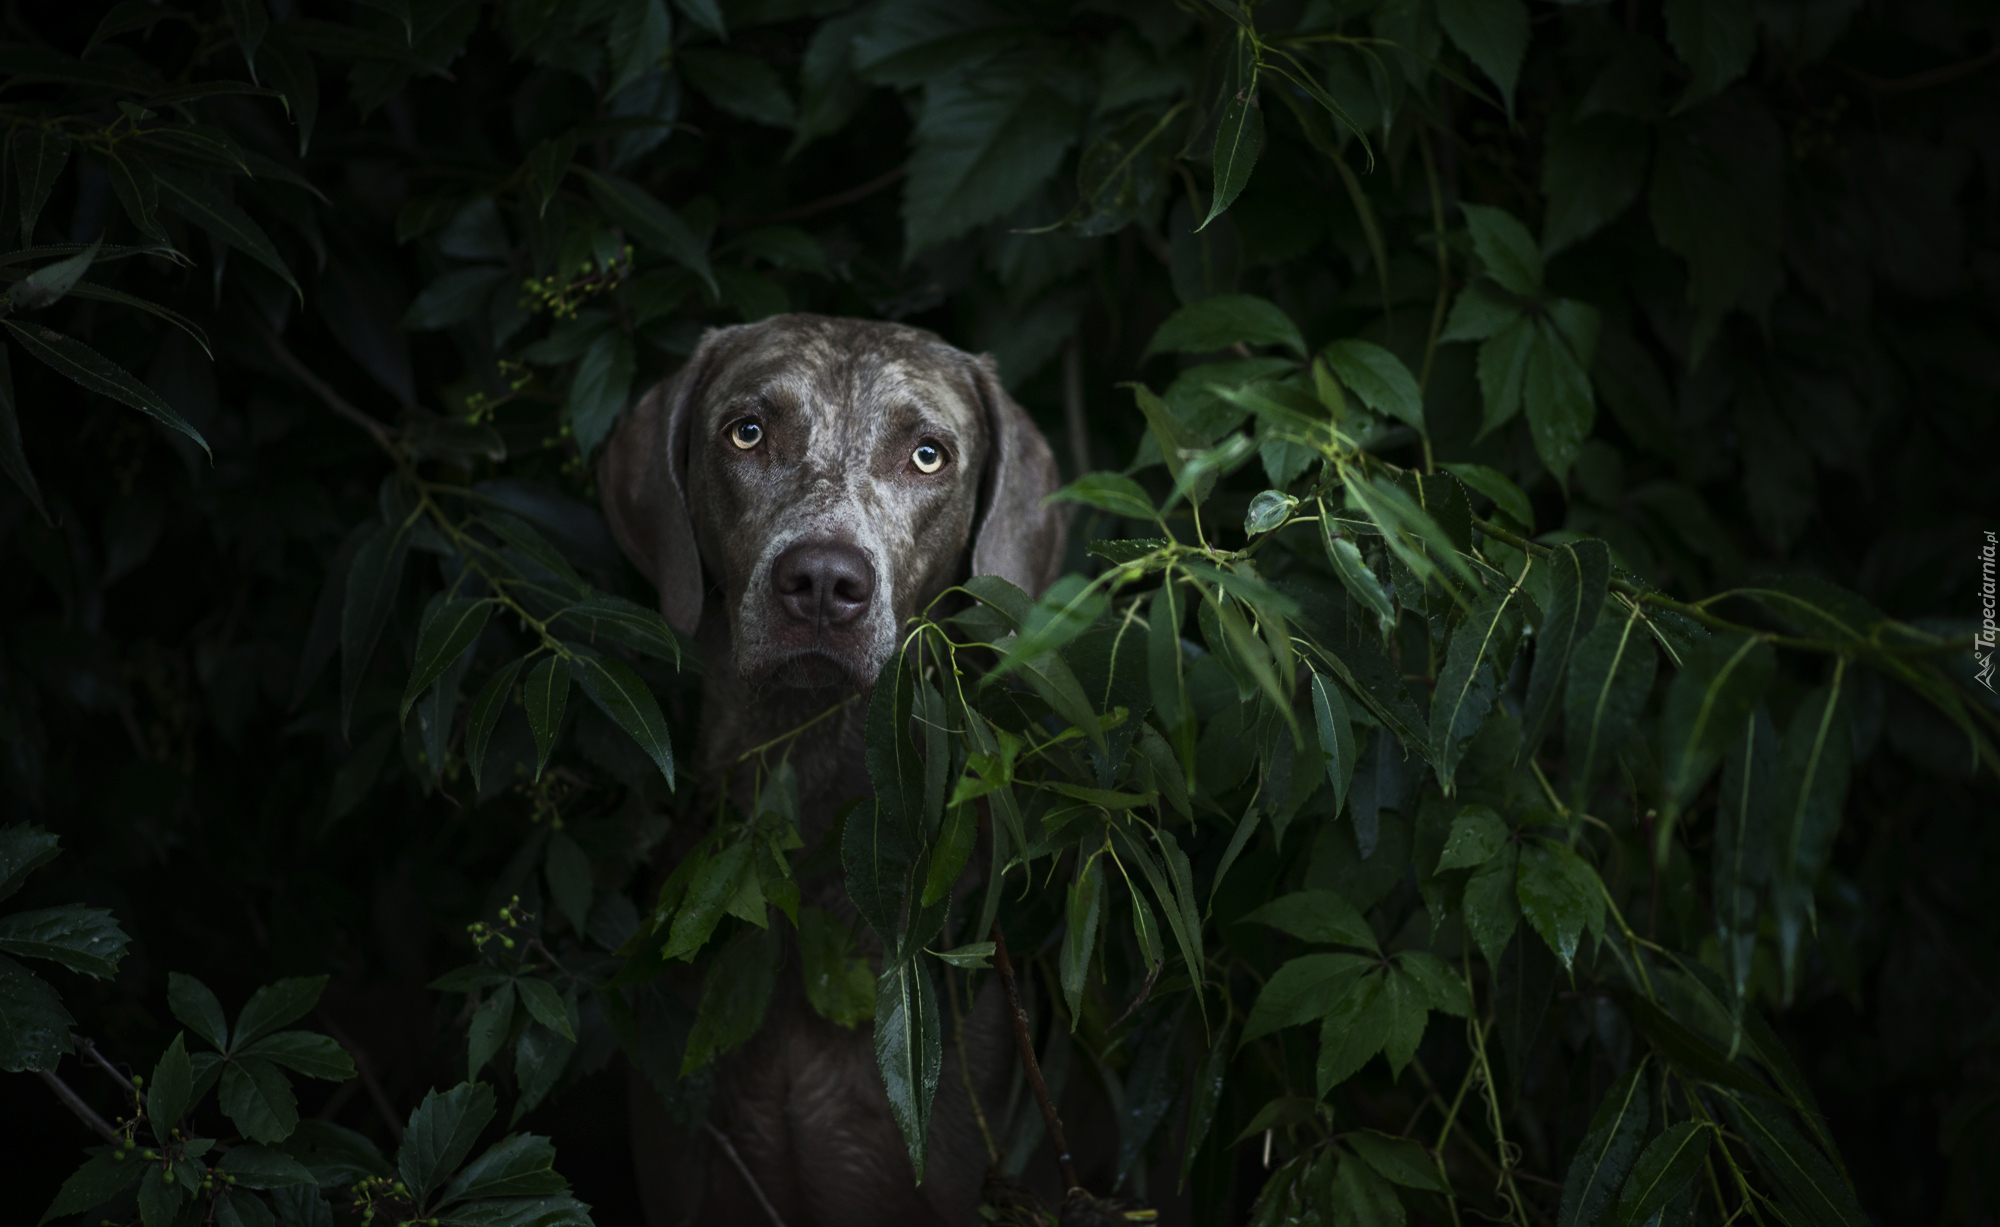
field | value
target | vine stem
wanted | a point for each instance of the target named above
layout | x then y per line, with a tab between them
84	1112
1026	1043
1517	1208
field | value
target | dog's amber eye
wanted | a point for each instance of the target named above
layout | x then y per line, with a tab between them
928	457
746	434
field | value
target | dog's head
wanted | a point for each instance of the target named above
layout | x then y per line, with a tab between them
827	478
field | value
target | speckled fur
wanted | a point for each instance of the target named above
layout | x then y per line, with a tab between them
843	403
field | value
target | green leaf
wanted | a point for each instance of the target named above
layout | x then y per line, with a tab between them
1336	736
39	155
260	1167
1268	510
1086	904
1112	492
24	848
89	369
1379	378
1239	134
1205	1095
12	458
1407	1003
1358	1026
259	1099
1745	842
909	1050
544	695
1303	989
1473	670
249	20
545	1005
714	884
1219	322
739	84
1439	981
953	850
314	1055
46	285
620	694
488	1030
1559	894
370	595
650	222
894	765
1580	578
485	714
1715	39
1707	706
1609	678
1592	171
518	1165
196	200
1668	1165
1492	908
196	1006
34	1027
1809	790
568	870
839	985
1316	916
705	13
1503	371
275	1005
1556	392
600	389
625	622
1505	248
85	939
1810	1188
1402	1160
984	141
1507	497
1355	574
291	70
101	1178
440	1134
159	1201
1493	34
448	630
1477	833
170	1092
1606	1152
640	37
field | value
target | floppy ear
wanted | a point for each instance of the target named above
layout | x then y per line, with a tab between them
643	476
1018	538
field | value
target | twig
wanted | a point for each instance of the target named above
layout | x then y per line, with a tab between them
84	1112
820	206
1026	1043
366	1069
1936	76
87	1047
379	431
743	1169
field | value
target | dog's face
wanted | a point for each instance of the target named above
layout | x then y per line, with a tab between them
829	477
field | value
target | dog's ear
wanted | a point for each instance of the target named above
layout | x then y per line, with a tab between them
643	475
1018	538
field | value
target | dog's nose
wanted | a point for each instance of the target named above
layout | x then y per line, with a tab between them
829	584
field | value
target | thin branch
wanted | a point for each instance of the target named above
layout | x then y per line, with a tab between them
84	1112
1026	1043
1922	80
820	206
366	1070
381	432
743	1169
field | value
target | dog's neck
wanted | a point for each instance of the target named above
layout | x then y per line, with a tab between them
746	728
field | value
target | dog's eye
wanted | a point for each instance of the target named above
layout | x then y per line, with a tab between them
746	434
928	457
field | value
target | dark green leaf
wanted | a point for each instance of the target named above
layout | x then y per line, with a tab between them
1474	663
651	222
733	997
839	985
1402	1160
622	621
101	1178
485	714
909	1050
1811	1190
34	1027
544	695
1715	39
196	1007
248	20
1239	135
46	285
276	1005
518	1165
1086	903
85	939
894	766
1505	248
1219	322
92	370
1606	1152
1303	989
1669	1164
24	848
1745	842
1316	916
370	595
1493	34
194	199
1357	1027
740	85
447	631
1112	492
714	884
1206	1094
1477	833
39	155
1610	676
12	458
170	1091
545	1004
1379	378
1580	577
440	1134
1707	708
620	694
259	1099
260	1167
1591	174
315	1056
1336	736
291	70
1492	909
488	1030
1809	790
1559	894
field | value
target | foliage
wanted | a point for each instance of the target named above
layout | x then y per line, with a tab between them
1392	679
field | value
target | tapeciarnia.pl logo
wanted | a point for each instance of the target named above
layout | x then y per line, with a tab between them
1982	642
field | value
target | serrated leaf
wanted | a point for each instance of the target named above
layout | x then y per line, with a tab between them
651	222
1303	989
260	1167
1239	134
1316	916
24	848
1492	910
440	1134
170	1091
909	1050
708	895
1559	894
1715	39
1402	1160
1217	323
196	1006
1555	390
101	1178
1439	981
276	1005
1112	492
518	1165
734	997
545	1005
1470	680
259	1099
83	939
1379	378
1357	1027
309	1053
1506	249
1493	34
488	1030
1477	833
34	1027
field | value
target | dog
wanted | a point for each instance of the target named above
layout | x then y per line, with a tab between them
799	490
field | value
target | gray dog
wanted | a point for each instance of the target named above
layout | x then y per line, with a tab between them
796	492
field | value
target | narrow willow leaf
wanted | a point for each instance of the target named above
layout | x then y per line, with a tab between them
954	849
1706	709
90	369
909	1050
1744	843
485	714
1174	904
620	694
1336	736
894	765
1810	1188
1580	578
544	695
1361	582
292	71
201	204
372	581
12	458
1471	678
1606	1152
1239	136
1086	904
1668	1165
1609	679
1809	790
446	633
1205	1095
39	155
100	293
248	20
46	285
1165	672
